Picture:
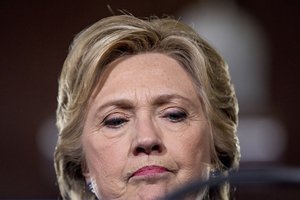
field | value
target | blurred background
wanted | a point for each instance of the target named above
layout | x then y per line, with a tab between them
259	40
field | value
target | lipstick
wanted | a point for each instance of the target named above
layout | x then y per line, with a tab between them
150	171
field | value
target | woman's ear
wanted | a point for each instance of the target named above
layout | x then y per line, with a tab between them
89	180
86	172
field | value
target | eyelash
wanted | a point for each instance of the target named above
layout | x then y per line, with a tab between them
114	122
118	121
179	115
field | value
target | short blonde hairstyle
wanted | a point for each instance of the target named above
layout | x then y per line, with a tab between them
86	67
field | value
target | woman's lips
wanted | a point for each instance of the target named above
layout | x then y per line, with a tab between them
149	171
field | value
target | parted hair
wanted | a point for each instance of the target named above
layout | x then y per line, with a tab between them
85	68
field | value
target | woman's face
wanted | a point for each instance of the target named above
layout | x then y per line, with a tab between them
145	133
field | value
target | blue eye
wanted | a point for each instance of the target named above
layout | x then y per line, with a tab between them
175	116
114	122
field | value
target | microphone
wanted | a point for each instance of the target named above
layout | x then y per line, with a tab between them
254	176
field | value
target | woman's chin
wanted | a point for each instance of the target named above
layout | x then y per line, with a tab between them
150	191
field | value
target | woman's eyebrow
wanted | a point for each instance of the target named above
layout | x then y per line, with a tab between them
119	103
155	101
167	98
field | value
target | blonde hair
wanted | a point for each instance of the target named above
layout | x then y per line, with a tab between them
113	37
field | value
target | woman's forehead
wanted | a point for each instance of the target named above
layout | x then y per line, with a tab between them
137	80
147	73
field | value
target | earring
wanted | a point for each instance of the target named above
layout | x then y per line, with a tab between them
90	187
214	173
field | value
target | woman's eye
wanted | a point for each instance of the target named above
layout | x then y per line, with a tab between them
115	122
175	116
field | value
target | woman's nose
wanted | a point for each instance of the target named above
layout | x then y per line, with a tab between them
148	148
147	139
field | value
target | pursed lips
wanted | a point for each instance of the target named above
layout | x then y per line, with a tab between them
150	170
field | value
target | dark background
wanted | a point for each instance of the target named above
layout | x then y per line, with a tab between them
35	36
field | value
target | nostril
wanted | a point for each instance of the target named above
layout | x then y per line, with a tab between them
148	149
140	150
156	148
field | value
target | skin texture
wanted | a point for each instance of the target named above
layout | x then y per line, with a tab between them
145	133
